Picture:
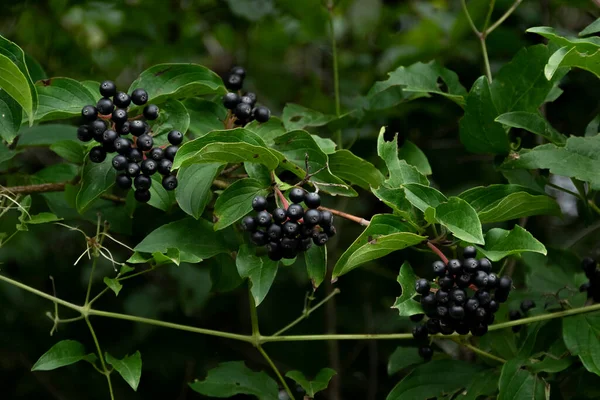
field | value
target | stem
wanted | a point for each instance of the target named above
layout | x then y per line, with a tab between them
336	77
488	17
274	367
220	184
41	188
562	189
253	315
101	357
469	19
438	252
306	313
503	18
480	352
486	60
594	207
351	217
89	286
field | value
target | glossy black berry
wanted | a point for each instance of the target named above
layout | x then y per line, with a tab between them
461	327
458	296
463	280
234	82
479	329
297	195
470	252
439	268
133	169
470	265
321	240
261	114
84	133
248	100
313	217
231	100
105	106
97	154
238	71
428	300
426	352
480	279
485	265
175	137
456	312
493	281
442	297
275	254
455	267
123	181
138	127
108	88
139	97
142	182
109	136
313	200
433	326
417	317
89	113
441	311
471	305
145	142
493	306
446	282
483	297
505	283
527	305
123	146
274	232
422	286
135	155
259	238
156	154
259	203
169	182
122	100
295	212
97	128
249	224
143	196
326	218
263	218
243	111
151	112
251	96
170	152
119	162
123	129
279	215
164	166
514	315
480	314
420	332
149	166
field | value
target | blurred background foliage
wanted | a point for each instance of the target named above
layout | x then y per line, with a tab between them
286	48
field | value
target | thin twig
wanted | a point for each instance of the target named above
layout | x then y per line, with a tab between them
438	252
350	217
306	313
502	18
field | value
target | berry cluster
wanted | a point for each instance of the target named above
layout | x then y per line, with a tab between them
243	107
286	233
514	315
592	287
108	124
467	297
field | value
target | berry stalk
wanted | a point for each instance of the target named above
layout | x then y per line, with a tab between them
353	218
438	252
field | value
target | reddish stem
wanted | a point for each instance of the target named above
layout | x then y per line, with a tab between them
350	217
284	201
438	252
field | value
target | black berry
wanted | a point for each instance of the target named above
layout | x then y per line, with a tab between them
143	196
231	100
480	314
463	281
446	327
259	203
439	268
263	218
139	97
527	305
243	111
326	218
248	100
105	106
108	88
295	212
145	142
123	129
274	232
261	114
149	166
297	195
175	137
442	297
234	82
417	317
469	252
84	133
455	267
138	127
461	327
480	279
119	116
122	145
291	228
123	181
119	162
420	332
456	312
151	112
97	127
505	283
122	100
238	71
279	215
164	166
249	224
470	265
133	169
485	265
109	136
170	152
170	182
501	295
471	305
142	182
426	352
428	299
493	281
135	155
259	238
321	240
433	326
251	96
458	296
97	154
157	154
493	306
313	217
422	286
446	282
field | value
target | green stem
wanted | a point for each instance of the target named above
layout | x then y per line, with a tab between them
89	286
101	357
503	17
469	19
253	315
274	367
486	59
488	17
138	273
306	313
562	189
336	75
479	351
594	207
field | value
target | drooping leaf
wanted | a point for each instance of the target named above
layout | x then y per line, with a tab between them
406	304
15	84
231	378
355	170
534	123
592	28
179	81
69	150
95	180
223	273
517	205
295	117
260	271
580	333
316	264
12	114
267	131
65	352
516	383
327	145
460	219
160	197
422	196
113	284
403	357
46	135
193	190
579	159
130	368
236	201
488	197
484	383
396	200
311	387
235	153
414	156
500	243
400	172
61	98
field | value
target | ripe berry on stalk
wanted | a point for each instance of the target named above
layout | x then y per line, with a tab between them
143	196
259	203
151	112
122	100
145	142
119	116
231	100
84	133
137	127
234	82
89	113
261	114
123	181
170	182
97	154
149	166
142	182
108	88
139	97
105	106
175	137
164	166
170	152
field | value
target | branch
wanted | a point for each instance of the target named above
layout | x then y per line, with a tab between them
306	313
351	217
40	188
438	252
503	18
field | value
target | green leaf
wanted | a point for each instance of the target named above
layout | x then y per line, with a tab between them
258	172
235	153
223	273
461	219
130	368
295	117
433	379
500	243
516	383
592	128
320	382
396	200
484	383
46	135
295	146
172	116
415	81
557	359
113	284
346	165
252	10
406	304
422	196
580	333
269	130
12	115
316	264
231	378
534	123
178	81
327	145
592	28
61	98
579	159
517	205
65	352
42	218
6	154
190	149
397	234
487	197
160	197
195	239
236	201
414	156
15	84
400	172
96	179
205	116
193	190
69	150
259	270
552	273
403	357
